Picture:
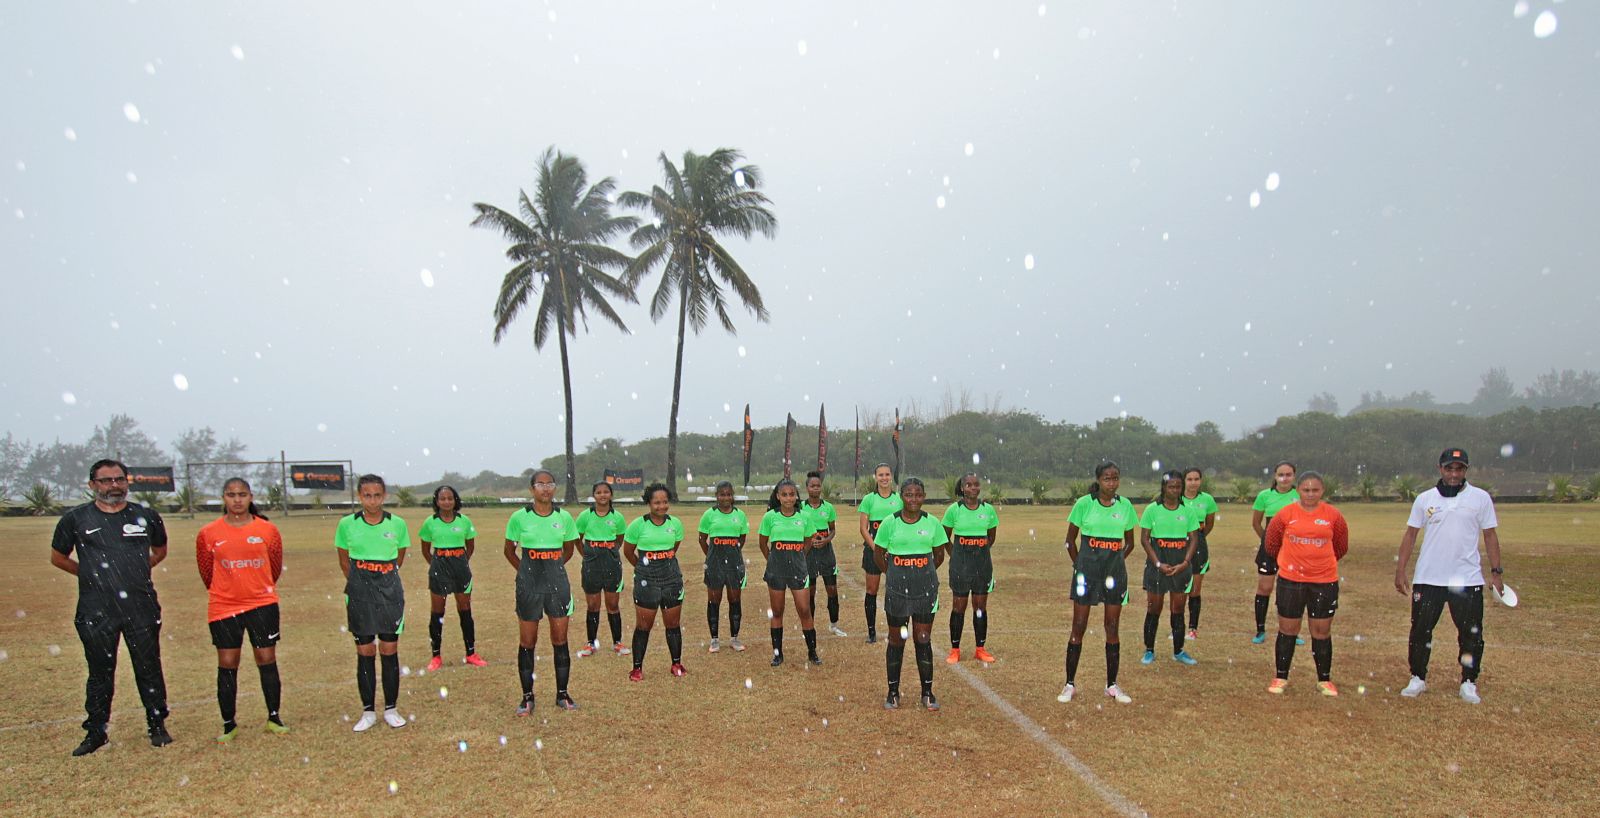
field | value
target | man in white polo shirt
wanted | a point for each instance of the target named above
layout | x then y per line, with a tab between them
1450	515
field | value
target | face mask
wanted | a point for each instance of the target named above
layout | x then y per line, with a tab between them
1449	491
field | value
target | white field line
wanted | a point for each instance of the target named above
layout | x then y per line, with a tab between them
1116	800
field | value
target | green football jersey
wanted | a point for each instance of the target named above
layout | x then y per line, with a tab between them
550	532
365	541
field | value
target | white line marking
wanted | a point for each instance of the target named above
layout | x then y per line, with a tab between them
1117	801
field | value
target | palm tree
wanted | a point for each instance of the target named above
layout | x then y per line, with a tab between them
558	250
708	196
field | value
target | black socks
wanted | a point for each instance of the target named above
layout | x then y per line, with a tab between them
1176	620
391	680
1283	650
957	621
367	679
811	643
525	670
1074	650
272	690
711	618
892	659
469	633
675	644
615	620
1322	654
833	610
227	695
735	616
641	641
980	626
925	666
591	627
1194	611
777	641
1113	661
869	603
436	631
1151	622
563	668
1261	612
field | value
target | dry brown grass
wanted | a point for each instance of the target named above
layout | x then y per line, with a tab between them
1197	741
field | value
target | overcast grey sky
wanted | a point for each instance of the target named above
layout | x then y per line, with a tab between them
254	216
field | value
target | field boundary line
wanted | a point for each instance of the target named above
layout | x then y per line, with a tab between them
1030	728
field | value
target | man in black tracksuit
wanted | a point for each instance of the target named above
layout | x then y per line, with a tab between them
117	544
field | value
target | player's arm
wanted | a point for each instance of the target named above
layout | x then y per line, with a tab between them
511	553
1407	542
866	531
1072	541
1256	518
568	548
203	559
471	544
705	544
761	542
1491	544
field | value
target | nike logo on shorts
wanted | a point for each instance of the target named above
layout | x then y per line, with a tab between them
273	635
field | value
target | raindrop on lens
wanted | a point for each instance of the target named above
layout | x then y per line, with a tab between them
975	458
748	684
181	382
130	111
444	692
1027	262
1508	450
394	787
461	746
1545	24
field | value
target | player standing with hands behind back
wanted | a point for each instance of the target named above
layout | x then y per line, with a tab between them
1448	571
372	546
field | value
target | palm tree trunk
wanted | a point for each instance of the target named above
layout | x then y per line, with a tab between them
566	392
677	386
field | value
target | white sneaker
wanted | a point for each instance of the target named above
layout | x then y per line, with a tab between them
393	719
1116	693
1066	693
1416	688
1469	693
716	644
833	628
736	644
366	722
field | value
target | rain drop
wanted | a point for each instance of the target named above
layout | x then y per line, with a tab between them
1041	9
1255	199
130	111
801	47
237	52
1272	181
1155	465
181	382
975	458
1247	326
1508	450
322	427
939	202
68	398
425	452
444	692
502	741
1520	10
461	746
748	684
394	787
1116	398
427	277
1545	24
538	744
70	134
53	650
1027	262
741	350
967	149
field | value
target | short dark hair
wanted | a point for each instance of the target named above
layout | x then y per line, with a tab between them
105	462
371	479
650	491
453	492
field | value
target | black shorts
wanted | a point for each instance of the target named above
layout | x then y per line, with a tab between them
971	570
725	568
661	587
1201	561
261	623
787	568
374	600
1100	575
1266	564
1318	600
822	562
868	564
601	574
449	575
1156	582
913	590
535	601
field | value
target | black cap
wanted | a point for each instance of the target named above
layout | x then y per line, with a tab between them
1453	456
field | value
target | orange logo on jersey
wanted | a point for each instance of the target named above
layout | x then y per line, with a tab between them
733	541
980	542
789	546
909	562
375	567
651	556
602	543
542	553
1110	545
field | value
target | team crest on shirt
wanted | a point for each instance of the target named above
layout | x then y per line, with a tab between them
1432	510
1320	521
456	528
133	529
388	535
254	540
